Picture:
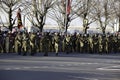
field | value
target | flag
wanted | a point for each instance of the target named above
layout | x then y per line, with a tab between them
19	19
68	6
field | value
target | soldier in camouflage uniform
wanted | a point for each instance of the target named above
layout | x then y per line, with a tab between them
24	43
73	41
81	40
1	42
18	43
67	43
100	45
45	43
90	42
95	43
32	40
56	43
78	43
115	43
85	47
105	44
118	43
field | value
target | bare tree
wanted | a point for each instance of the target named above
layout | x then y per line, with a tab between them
9	6
84	10
116	7
103	12
59	14
36	11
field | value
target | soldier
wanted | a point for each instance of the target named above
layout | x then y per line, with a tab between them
95	43
56	43
85	47
100	44
105	44
11	42
24	43
81	40
118	43
115	43
45	43
77	43
32	41
90	41
73	41
67	43
1	42
18	43
7	41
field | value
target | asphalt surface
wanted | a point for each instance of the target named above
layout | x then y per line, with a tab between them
62	67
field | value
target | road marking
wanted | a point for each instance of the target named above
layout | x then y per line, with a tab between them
83	78
110	68
26	67
17	68
8	69
69	63
36	67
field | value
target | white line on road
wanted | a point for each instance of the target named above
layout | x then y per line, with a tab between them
110	68
8	69
26	67
83	78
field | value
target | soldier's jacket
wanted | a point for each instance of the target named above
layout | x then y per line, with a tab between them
90	42
67	40
81	42
18	38
45	40
56	39
32	39
24	41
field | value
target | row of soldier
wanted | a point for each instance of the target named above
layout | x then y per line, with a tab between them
23	43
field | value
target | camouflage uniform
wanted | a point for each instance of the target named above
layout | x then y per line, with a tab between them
1	43
90	41
118	43
32	41
100	44
67	43
95	43
81	40
56	43
7	41
45	43
24	43
18	43
105	44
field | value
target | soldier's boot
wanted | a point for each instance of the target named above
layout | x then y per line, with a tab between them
56	54
24	53
46	54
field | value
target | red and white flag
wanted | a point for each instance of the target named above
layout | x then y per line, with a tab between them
68	6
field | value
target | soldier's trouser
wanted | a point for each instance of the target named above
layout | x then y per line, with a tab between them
1	48
32	48
24	50
19	49
56	48
46	50
67	48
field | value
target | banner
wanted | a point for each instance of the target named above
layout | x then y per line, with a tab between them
19	19
68	6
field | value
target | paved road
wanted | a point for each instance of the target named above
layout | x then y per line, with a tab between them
63	67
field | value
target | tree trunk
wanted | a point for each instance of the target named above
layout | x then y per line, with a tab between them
103	30
41	28
119	24
10	20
